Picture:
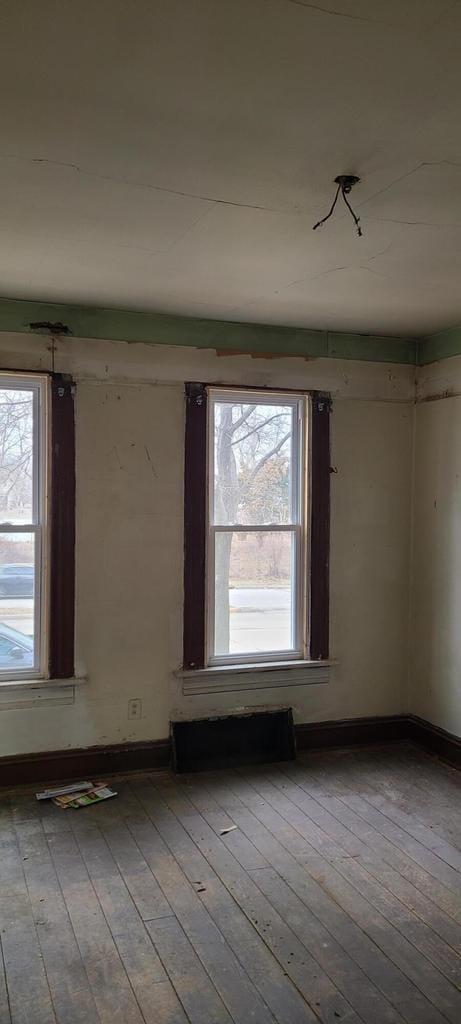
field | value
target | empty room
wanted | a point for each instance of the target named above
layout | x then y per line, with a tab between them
230	512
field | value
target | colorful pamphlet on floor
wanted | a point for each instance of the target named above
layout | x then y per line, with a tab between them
92	796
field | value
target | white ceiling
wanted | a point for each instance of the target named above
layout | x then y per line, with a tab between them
173	155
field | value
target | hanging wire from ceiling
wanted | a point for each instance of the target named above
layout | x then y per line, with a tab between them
345	183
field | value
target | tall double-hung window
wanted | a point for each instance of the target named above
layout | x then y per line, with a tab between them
36	527
256	544
256	525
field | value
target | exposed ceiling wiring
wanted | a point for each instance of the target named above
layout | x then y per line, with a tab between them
345	183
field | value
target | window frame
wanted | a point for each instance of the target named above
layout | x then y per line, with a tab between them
38	526
317	532
54	512
297	527
62	529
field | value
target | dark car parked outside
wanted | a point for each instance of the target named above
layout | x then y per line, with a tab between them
16	580
16	649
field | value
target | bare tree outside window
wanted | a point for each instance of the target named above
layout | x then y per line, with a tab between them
16	455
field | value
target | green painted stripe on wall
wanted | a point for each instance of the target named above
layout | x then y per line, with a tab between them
397	350
439	346
160	329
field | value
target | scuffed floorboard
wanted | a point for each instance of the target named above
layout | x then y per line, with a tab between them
336	898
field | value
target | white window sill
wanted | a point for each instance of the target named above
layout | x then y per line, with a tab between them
267	675
27	693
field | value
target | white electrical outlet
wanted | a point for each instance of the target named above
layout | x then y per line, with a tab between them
135	708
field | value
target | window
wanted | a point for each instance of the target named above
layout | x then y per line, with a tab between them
256	518
36	544
256	503
23	523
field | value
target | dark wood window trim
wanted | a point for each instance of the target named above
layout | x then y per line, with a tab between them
195	520
62	530
320	527
195	499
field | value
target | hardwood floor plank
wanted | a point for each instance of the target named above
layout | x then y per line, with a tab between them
342	915
427	773
367	780
430	861
72	996
324	955
369	915
366	857
156	996
268	976
5	1014
25	975
107	977
139	880
422	793
192	983
149	980
331	793
414	793
409	925
230	978
296	963
336	898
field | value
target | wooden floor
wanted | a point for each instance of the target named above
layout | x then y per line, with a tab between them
336	898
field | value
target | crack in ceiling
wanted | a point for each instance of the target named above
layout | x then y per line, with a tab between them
332	13
376	273
411	223
141	184
377	254
191	227
362	86
408	174
370	21
227	202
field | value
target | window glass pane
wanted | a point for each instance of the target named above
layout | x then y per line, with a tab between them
253	463
254	592
16	455
17	626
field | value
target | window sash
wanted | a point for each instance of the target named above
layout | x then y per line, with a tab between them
297	527
297	610
38	527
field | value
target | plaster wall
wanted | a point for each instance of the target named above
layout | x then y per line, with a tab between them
435	635
130	435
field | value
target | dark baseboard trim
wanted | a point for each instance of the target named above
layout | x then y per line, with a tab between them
61	765
87	762
349	731
436	740
385	729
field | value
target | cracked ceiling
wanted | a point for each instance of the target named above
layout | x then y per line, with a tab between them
174	155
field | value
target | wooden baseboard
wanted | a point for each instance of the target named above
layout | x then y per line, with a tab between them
349	731
87	762
385	729
438	741
63	765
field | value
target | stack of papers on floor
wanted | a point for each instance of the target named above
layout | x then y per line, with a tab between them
91	796
77	794
73	787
